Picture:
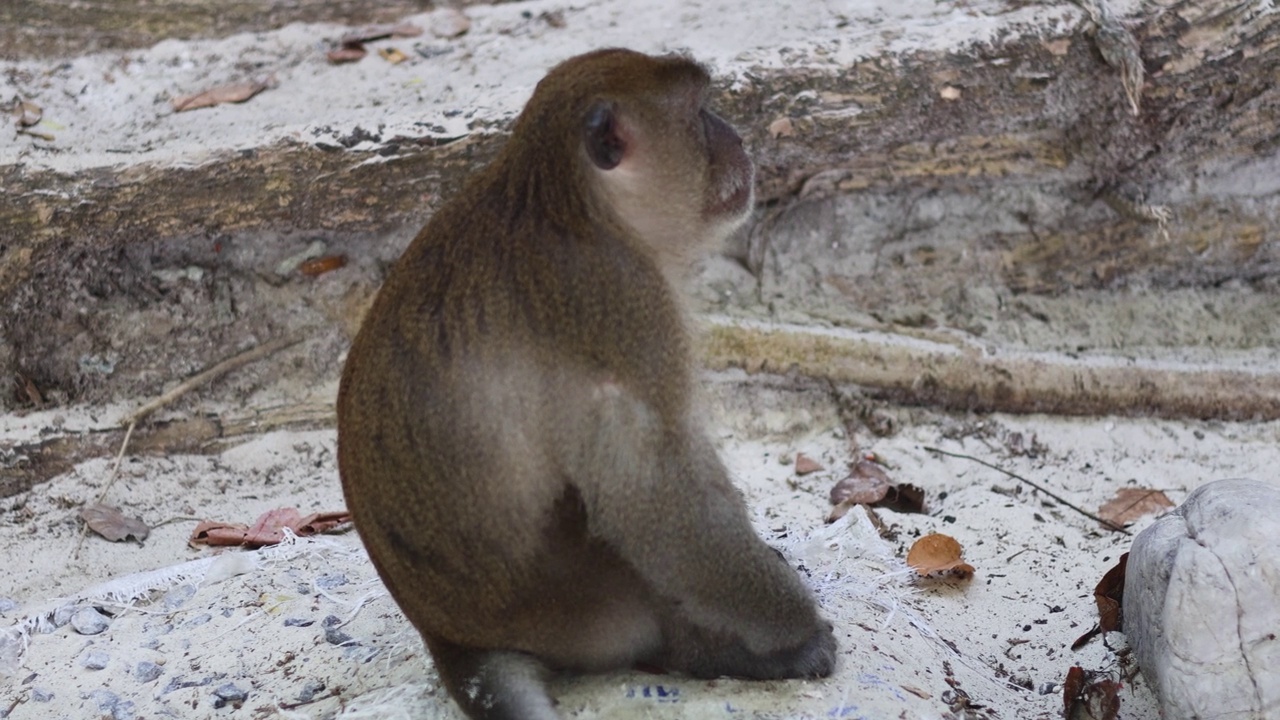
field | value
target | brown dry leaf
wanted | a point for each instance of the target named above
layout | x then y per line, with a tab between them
26	113
916	691
348	52
782	127
904	498
1109	594
866	484
806	464
316	267
268	529
111	524
939	554
1083	700
212	532
449	23
1129	504
317	523
380	32
234	93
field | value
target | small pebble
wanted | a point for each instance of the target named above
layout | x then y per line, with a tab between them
177	596
298	622
146	671
105	700
197	621
8	604
229	694
95	660
329	582
310	690
332	634
41	695
124	710
88	621
62	615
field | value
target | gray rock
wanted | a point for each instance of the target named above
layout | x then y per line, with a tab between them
175	598
41	695
1200	603
310	690
8	604
104	699
88	621
63	615
95	660
331	581
146	671
229	694
332	634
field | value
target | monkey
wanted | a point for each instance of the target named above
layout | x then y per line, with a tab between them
517	442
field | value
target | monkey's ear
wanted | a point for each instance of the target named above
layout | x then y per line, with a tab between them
605	142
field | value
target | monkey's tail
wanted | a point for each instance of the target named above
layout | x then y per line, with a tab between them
493	684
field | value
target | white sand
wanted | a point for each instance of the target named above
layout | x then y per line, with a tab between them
262	632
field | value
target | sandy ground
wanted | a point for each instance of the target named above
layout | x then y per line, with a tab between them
305	630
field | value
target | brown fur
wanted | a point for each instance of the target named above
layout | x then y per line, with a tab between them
515	433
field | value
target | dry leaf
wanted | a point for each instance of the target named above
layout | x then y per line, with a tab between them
1109	595
904	498
1129	504
866	484
26	113
449	23
346	53
782	127
236	93
268	529
380	32
392	55
321	265
806	464
938	554
111	524
1084	700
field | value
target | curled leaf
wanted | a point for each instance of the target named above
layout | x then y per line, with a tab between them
806	464
939	554
111	524
1129	504
1086	700
26	113
234	93
1109	595
866	484
268	529
348	52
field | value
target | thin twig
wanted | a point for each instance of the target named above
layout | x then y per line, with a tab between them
1021	479
182	388
222	368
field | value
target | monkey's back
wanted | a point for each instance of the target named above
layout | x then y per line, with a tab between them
462	398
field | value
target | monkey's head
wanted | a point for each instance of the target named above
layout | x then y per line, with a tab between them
638	135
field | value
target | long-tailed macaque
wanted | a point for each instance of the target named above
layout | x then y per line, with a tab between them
515	434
